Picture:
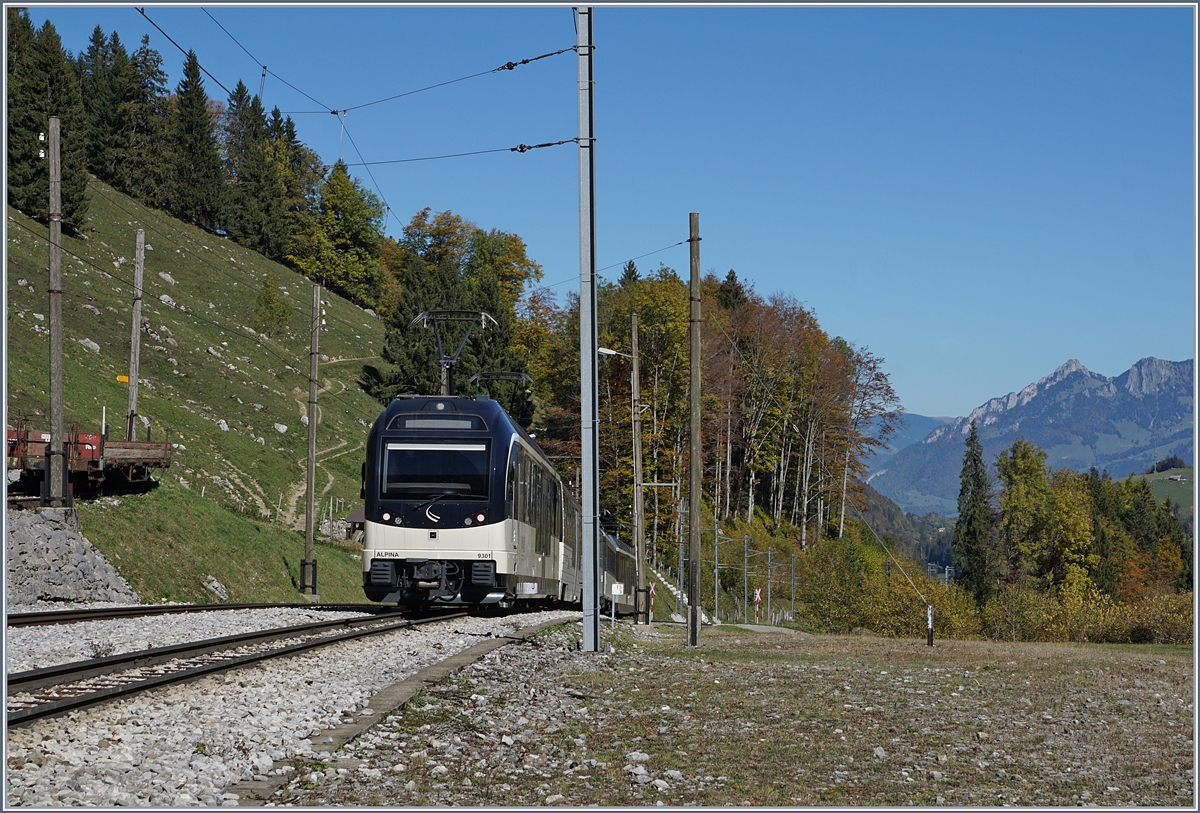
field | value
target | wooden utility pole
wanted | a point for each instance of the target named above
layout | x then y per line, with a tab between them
135	339
639	513
588	340
56	467
308	567
695	496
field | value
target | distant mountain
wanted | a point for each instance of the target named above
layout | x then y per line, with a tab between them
915	428
1081	419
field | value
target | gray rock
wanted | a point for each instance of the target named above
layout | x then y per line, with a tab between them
47	561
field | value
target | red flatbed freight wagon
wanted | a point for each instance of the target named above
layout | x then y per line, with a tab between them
91	458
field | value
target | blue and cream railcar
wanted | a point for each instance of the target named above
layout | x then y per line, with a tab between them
617	567
462	507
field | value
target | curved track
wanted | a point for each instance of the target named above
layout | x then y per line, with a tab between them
56	690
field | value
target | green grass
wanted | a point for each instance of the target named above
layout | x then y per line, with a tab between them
187	388
168	542
1178	492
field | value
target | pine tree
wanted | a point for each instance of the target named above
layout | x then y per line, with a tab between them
105	81
197	178
25	116
244	126
142	163
973	553
43	82
629	274
731	294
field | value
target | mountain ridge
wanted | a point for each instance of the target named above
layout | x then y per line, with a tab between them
1080	418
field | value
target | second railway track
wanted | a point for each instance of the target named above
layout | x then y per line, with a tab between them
55	690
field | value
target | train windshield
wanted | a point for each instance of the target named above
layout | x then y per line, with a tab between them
423	470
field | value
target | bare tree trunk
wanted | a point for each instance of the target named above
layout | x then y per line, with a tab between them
728	456
750	504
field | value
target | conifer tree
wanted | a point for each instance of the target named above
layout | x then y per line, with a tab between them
629	274
339	248
142	163
197	179
42	82
105	80
973	553
25	118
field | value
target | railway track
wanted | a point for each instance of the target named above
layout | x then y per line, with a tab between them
109	613
57	690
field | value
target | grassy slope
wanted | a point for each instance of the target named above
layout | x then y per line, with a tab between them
1179	493
221	369
167	543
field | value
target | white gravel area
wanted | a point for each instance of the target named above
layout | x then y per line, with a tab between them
42	646
187	745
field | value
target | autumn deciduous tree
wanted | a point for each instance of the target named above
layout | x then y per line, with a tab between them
1024	489
339	246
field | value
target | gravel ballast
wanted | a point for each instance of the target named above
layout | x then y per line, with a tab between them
190	744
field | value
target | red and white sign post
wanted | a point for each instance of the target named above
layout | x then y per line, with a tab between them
757	601
650	618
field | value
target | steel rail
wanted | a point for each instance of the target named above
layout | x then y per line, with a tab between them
84	670
109	613
73	671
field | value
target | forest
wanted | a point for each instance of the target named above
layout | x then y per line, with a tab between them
791	415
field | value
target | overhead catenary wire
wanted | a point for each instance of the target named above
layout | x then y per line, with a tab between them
142	11
614	265
262	82
508	66
265	69
521	148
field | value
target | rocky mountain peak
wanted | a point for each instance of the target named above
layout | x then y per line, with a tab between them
1150	375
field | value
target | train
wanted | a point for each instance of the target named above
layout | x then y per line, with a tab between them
462	507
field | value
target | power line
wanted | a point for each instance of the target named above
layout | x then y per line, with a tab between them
614	265
507	66
519	148
647	254
185	53
369	174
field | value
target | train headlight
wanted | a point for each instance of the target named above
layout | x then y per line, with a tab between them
467	521
386	517
480	517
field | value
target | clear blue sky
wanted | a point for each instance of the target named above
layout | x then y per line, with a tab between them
975	194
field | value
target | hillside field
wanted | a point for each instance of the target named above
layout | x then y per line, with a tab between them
201	360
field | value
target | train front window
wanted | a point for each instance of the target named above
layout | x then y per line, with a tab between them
418	471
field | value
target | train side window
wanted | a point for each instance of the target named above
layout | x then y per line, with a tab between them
510	483
524	495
